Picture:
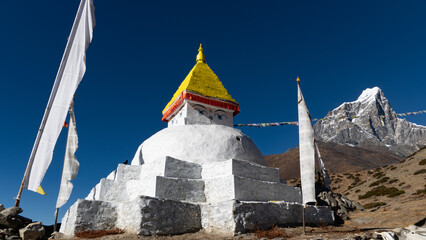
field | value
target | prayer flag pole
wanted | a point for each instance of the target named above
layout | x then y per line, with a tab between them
70	166
56	219
73	64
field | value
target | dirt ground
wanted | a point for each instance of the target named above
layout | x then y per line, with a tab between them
288	234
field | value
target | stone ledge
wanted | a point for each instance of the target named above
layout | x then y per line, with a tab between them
143	216
246	189
244	216
240	168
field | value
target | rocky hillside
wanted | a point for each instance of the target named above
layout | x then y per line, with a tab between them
371	123
393	195
337	159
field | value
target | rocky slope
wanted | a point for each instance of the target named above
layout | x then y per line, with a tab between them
337	159
393	195
371	123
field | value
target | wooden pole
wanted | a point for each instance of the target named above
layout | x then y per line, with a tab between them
56	219
50	102
303	219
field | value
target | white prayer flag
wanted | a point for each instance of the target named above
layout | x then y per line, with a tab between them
70	73
71	164
324	172
306	150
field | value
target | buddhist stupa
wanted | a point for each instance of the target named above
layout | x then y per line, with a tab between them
201	99
200	123
198	173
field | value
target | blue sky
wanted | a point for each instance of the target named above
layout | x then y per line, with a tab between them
142	50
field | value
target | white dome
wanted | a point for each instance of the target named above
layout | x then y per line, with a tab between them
198	144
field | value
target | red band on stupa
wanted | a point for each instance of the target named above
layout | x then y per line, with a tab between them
201	99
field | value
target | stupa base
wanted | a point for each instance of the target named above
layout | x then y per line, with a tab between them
156	216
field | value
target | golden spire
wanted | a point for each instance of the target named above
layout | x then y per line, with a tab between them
200	55
298	79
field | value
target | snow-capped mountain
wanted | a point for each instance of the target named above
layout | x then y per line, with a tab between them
370	122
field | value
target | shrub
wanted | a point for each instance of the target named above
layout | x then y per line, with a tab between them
399	185
393	180
422	162
420	171
373	205
381	191
350	187
370	172
420	191
393	168
376	183
397	193
378	175
358	190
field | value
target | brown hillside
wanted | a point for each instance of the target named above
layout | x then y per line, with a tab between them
393	195
337	159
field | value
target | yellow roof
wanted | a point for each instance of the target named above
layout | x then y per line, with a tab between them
202	80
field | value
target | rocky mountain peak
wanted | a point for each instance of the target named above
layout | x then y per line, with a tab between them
370	94
371	123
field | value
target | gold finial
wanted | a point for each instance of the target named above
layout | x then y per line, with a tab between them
298	79
200	55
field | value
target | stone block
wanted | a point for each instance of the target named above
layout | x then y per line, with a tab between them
246	189
241	216
162	187
112	175
218	217
100	190
86	215
170	167
119	191
168	217
240	168
181	169
128	172
144	216
191	190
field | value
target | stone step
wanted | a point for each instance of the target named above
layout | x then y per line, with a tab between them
247	189
143	216
239	216
191	190
122	191
240	168
166	167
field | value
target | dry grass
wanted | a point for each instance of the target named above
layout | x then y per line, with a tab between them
98	233
274	232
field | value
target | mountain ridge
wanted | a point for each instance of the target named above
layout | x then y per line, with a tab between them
358	135
370	122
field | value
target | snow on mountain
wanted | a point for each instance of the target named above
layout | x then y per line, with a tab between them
371	123
369	94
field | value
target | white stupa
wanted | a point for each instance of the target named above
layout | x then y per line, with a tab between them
198	173
200	124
